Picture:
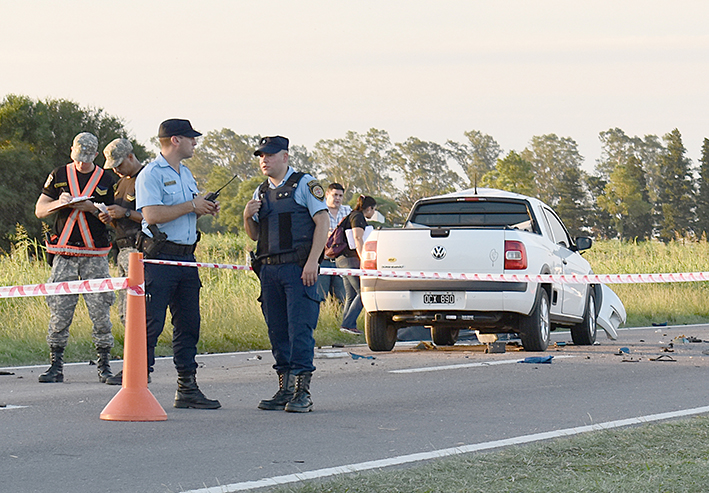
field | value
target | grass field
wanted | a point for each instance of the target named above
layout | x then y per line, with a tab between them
232	320
652	458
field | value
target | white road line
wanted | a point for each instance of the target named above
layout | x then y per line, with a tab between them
435	454
10	406
467	365
159	358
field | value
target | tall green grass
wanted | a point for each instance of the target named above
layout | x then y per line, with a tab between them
232	319
672	303
231	315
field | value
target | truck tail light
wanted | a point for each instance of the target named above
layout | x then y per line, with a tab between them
369	260
515	255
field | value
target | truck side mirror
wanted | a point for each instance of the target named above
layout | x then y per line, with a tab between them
583	243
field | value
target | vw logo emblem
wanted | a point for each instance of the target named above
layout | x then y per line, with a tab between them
438	252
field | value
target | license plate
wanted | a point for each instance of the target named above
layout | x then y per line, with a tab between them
438	299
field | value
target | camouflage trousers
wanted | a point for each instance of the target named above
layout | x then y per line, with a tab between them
122	261
62	307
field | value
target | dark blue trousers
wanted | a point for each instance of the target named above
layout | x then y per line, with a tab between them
176	288
291	310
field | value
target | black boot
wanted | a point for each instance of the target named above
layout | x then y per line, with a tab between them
286	388
189	395
55	373
116	379
301	402
103	357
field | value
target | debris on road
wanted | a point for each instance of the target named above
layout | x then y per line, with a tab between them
424	346
330	353
663	357
496	347
537	360
683	339
359	356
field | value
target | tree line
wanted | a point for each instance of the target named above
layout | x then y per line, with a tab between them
641	187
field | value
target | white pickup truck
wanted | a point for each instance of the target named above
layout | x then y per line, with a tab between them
483	231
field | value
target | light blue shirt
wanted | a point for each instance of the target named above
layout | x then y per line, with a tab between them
303	195
160	184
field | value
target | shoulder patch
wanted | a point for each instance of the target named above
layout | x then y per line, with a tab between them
316	189
49	181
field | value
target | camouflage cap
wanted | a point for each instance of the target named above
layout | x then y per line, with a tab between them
84	148
116	151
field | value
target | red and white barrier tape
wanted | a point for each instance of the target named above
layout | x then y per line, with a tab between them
556	278
71	287
113	284
197	264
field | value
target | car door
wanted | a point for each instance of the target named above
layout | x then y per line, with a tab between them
573	299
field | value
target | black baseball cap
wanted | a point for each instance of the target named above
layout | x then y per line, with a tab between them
175	126
271	145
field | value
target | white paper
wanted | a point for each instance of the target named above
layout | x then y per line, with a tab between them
349	233
101	206
350	239
367	231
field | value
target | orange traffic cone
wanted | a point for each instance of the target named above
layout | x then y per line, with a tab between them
134	402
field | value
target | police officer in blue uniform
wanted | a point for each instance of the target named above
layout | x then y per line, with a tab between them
288	218
167	196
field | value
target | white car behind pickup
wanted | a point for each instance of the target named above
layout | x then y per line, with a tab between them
483	231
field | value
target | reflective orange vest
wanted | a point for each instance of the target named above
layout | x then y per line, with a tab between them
77	219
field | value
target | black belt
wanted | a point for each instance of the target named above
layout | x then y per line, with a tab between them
170	248
281	258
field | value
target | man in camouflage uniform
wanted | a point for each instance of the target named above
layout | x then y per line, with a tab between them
80	246
126	220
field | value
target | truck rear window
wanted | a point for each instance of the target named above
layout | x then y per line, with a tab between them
473	214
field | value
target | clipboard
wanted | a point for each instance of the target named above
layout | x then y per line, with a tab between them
74	200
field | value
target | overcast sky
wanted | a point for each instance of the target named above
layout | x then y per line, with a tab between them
314	69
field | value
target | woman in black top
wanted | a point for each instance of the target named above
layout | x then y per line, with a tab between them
350	259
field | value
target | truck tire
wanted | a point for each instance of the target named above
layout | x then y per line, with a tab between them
379	331
584	334
535	328
444	336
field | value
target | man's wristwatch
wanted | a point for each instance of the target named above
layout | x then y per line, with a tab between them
127	214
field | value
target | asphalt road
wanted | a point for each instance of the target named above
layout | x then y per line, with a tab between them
52	439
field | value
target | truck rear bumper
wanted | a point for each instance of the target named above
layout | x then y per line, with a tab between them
401	302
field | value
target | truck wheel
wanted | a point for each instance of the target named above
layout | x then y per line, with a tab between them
379	331
535	328
584	334
444	336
